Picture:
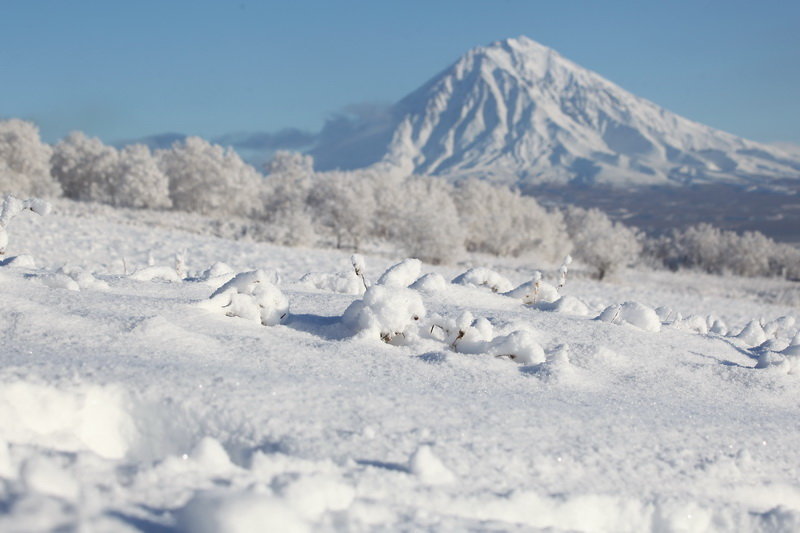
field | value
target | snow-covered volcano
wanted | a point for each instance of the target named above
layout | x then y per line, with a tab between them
517	111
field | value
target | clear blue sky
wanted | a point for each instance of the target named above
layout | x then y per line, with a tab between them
124	70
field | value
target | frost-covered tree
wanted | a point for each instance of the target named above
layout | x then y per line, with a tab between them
286	205
138	182
85	167
501	221
344	206
599	242
716	251
25	160
209	179
428	226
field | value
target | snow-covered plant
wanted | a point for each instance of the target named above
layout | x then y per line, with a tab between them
359	266
427	224
536	285
85	168
599	242
12	207
210	179
632	313
484	277
285	198
402	274
501	221
562	271
25	161
388	313
252	296
180	264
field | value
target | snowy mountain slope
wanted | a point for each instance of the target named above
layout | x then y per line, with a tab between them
129	405
517	111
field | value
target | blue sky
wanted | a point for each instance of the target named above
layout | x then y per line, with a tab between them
125	70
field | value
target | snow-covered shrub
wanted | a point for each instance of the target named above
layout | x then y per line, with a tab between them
138	181
150	273
428	226
345	205
519	346
210	179
501	221
484	277
285	199
85	168
704	247
25	161
387	313
534	292
11	207
402	274
597	241
252	296
632	313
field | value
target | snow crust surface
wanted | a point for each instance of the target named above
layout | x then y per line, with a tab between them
129	405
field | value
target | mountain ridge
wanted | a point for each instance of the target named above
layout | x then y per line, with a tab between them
518	112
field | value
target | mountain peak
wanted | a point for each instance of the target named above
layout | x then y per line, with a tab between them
516	111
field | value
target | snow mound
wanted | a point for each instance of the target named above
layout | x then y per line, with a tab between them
339	282
632	313
752	334
402	274
569	305
520	346
484	277
151	273
238	512
90	418
388	313
534	292
217	274
424	464
58	280
430	284
252	296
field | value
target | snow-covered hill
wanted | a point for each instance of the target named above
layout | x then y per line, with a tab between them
130	401
519	112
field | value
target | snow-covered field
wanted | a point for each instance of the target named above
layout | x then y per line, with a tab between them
132	402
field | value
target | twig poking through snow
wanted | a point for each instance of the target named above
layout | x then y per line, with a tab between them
359	266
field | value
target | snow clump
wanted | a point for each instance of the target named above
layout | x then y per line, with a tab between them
484	277
632	313
388	313
11	207
338	282
238	512
752	334
252	296
424	464
402	274
430	284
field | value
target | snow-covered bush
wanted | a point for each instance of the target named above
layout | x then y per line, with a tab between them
345	206
285	199
25	161
597	241
209	179
501	221
85	168
632	313
387	313
427	224
253	296
137	180
704	247
12	207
